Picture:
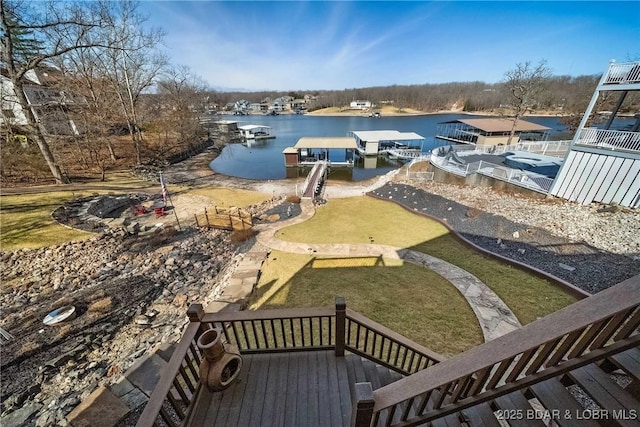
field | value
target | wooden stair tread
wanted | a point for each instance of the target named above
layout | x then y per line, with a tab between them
480	415
448	421
606	393
557	399
629	361
519	404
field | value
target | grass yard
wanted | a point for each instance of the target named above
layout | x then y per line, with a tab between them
354	220
360	219
227	197
26	222
410	300
529	296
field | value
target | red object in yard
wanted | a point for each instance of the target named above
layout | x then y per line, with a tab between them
140	210
159	211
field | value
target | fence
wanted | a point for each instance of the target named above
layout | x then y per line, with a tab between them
223	218
532	181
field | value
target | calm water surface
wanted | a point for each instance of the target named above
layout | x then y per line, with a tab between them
264	160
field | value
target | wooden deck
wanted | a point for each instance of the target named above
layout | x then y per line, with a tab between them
310	388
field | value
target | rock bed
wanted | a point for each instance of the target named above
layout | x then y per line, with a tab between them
131	294
575	261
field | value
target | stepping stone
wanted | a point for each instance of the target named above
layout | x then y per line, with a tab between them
101	409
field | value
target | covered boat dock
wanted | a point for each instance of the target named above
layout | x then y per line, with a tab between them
375	142
490	131
310	150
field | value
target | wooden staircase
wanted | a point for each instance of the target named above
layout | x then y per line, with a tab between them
530	377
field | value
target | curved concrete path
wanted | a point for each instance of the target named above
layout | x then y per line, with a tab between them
494	316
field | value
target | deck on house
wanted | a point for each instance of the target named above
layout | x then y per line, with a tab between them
310	388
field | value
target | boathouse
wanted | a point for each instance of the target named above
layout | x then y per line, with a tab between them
490	131
374	142
310	150
255	132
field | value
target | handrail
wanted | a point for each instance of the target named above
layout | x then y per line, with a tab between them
386	347
279	330
588	329
609	139
623	73
169	380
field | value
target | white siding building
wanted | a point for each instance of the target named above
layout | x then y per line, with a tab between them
603	164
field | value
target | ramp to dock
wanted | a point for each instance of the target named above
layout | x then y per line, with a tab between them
315	180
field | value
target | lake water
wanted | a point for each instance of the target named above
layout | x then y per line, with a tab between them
264	160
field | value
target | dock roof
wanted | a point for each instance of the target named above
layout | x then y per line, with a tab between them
252	127
386	135
502	125
326	142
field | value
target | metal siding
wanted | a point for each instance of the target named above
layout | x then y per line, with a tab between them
614	169
604	163
576	169
562	174
632	176
615	184
572	161
632	195
585	178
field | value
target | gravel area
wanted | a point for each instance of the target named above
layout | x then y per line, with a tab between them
575	261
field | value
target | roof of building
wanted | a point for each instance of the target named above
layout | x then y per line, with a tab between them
253	127
326	142
502	125
386	135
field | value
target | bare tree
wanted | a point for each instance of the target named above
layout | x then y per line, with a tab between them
181	94
525	83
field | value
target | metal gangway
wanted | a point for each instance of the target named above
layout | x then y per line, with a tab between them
314	184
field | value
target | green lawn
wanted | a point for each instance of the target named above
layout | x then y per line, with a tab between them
408	299
26	222
354	220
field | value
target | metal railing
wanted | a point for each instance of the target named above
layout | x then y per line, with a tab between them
538	147
609	139
530	180
625	73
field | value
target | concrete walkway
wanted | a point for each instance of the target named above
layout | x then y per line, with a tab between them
494	316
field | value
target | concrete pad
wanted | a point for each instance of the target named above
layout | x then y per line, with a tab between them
221	306
101	409
145	374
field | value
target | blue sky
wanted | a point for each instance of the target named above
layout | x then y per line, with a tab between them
295	45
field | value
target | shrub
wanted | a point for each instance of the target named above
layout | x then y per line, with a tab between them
238	236
293	199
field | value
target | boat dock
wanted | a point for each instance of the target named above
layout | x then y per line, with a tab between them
255	132
376	142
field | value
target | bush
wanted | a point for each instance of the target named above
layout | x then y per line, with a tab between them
238	236
293	199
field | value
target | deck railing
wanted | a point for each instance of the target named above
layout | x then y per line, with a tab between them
609	139
283	330
585	332
623	73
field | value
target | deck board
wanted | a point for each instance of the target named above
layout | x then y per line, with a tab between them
288	389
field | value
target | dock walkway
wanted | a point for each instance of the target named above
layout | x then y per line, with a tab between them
315	181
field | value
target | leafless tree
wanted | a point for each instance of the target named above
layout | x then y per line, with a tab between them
49	26
525	83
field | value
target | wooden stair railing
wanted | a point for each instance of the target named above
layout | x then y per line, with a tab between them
588	331
281	330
